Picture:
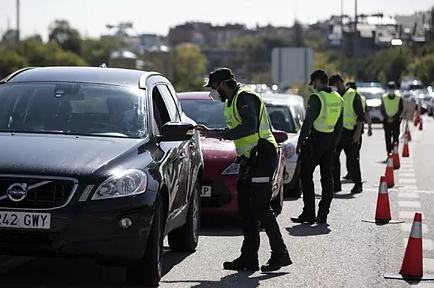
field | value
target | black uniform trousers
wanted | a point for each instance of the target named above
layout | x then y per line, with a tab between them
318	150
391	134
254	186
347	158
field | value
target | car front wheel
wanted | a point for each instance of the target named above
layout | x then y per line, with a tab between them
186	238
147	271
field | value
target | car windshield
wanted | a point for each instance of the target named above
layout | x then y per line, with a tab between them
370	95
281	118
72	108
206	112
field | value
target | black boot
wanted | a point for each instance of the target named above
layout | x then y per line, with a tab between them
358	188
242	264
276	262
303	219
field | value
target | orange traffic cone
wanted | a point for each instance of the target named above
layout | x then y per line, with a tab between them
382	213
416	118
405	150
396	162
407	131
390	179
420	124
412	265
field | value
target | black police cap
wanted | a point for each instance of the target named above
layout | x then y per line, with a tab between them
219	75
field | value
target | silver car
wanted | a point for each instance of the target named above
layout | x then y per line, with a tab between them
373	96
287	114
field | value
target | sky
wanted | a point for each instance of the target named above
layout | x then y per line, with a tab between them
90	17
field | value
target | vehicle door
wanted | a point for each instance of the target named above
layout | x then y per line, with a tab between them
193	156
181	156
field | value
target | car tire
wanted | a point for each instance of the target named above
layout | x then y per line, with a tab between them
277	203
186	238
148	270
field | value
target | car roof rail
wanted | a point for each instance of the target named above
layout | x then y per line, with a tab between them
103	65
13	74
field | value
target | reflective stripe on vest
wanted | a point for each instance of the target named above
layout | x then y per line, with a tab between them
233	119
350	117
331	109
391	106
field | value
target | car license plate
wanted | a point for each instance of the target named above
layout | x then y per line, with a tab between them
25	220
206	191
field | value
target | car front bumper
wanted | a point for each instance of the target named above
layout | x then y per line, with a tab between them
222	199
290	165
375	114
90	229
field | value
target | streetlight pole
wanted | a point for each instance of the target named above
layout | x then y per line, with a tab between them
18	20
356	37
342	38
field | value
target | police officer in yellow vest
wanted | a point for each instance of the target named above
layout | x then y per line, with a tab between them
317	142
391	108
249	127
354	118
368	121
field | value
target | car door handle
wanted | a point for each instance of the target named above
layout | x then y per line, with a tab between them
181	155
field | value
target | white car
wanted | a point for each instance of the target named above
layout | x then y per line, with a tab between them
287	112
373	96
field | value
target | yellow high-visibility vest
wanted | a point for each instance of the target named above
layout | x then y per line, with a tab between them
233	119
391	106
350	116
331	109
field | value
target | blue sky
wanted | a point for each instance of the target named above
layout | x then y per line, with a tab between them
150	16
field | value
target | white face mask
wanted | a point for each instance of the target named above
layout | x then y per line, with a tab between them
129	115
391	92
215	95
334	88
314	89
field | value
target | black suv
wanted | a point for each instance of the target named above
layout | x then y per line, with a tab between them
99	163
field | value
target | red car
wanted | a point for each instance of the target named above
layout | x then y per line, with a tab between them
219	194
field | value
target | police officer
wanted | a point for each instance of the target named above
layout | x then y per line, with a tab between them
354	118
317	142
248	125
368	121
391	108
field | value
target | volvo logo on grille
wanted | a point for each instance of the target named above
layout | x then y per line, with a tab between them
17	192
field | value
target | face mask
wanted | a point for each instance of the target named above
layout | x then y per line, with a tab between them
391	92
215	95
129	115
314	89
334	88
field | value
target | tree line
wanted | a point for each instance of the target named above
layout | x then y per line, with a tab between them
189	65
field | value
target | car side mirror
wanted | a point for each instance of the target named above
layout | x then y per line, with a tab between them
280	136
176	131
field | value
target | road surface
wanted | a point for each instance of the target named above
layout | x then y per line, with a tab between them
348	253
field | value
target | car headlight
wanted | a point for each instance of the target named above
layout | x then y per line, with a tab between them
127	183
288	150
231	169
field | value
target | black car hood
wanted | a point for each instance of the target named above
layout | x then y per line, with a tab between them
60	154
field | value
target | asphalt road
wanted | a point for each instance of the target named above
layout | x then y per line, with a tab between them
347	253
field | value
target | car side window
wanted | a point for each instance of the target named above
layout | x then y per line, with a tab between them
175	97
170	103
161	114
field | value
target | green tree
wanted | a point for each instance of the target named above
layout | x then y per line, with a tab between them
10	61
97	51
61	32
189	67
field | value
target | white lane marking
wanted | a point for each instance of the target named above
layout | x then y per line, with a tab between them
406	214
407	181
428	265
407	166
403	188
423	285
409	204
427	244
407	195
406	227
407	175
